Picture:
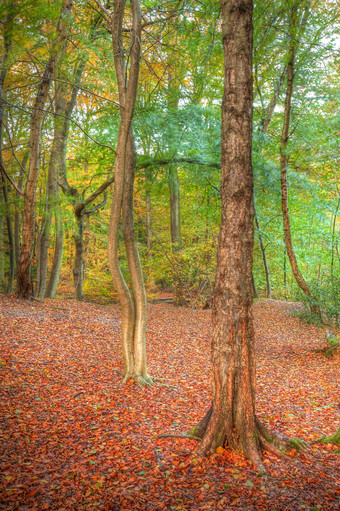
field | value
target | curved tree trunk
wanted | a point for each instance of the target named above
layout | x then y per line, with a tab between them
25	285
133	307
139	368
231	419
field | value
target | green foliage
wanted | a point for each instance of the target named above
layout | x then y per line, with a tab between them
326	296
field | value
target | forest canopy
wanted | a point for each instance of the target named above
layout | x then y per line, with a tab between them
60	116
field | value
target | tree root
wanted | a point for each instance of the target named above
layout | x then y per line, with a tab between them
143	381
333	439
183	435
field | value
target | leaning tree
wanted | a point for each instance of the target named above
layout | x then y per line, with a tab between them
231	420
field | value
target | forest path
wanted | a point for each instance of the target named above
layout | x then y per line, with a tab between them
72	437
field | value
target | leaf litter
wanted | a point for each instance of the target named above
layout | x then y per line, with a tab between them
73	437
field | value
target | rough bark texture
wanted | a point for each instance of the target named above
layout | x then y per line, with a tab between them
231	419
133	306
25	285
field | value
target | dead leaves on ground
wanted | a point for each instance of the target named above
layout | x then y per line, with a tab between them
73	437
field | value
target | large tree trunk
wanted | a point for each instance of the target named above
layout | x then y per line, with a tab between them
231	419
25	285
133	306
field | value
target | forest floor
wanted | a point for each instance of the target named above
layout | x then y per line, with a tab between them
73	437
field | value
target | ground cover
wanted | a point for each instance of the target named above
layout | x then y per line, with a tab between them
73	437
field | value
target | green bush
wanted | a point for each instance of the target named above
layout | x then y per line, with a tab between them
326	297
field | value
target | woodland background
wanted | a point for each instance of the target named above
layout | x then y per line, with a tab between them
177	131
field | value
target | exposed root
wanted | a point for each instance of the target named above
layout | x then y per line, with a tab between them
143	381
214	436
333	439
183	435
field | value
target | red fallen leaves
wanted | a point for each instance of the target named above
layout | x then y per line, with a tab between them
72	437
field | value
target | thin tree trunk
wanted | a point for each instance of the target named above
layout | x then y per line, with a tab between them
283	166
58	253
57	170
78	268
7	40
133	307
2	251
25	285
148	222
264	257
135	269
176	236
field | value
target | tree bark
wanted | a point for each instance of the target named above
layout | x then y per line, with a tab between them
231	419
78	268
264	257
283	167
58	253
25	285
133	306
8	40
56	170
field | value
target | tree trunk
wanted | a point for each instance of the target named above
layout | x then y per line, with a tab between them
25	285
283	166
176	236
148	222
2	252
133	307
57	170
231	419
7	45
78	268
58	254
264	257
9	232
138	361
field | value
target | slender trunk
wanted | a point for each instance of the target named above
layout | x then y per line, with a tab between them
78	268
264	257
148	223
7	45
135	269
17	213
253	285
10	234
133	307
25	285
333	241
2	246
58	254
283	166
176	236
